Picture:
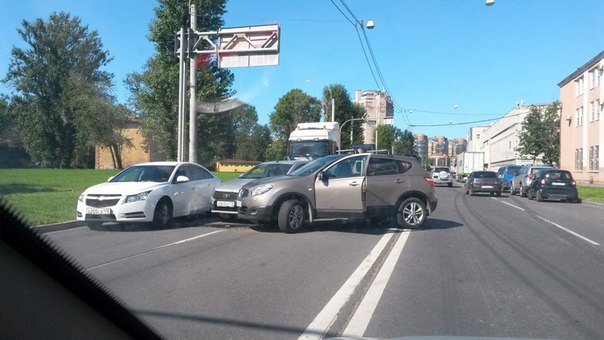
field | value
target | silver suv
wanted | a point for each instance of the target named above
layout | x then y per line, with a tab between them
342	187
524	177
442	175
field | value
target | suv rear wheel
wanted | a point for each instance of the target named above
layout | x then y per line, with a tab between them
291	216
411	213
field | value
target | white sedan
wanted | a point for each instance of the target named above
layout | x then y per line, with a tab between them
149	192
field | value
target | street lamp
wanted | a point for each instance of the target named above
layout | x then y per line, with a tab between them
351	130
333	101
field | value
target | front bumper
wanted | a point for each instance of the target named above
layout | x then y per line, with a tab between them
131	212
255	214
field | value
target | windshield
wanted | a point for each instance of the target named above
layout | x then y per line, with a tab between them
311	149
512	170
267	170
315	165
144	173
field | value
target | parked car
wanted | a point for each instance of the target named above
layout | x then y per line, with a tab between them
524	177
483	181
148	192
349	187
506	174
225	194
554	184
442	175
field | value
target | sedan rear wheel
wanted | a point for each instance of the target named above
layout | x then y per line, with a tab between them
411	213
539	197
291	216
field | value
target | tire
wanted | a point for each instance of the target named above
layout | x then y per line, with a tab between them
467	191
498	193
528	194
471	192
450	185
411	213
291	216
512	190
539	198
523	193
163	213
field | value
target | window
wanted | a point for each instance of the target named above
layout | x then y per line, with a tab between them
591	158
350	167
597	158
593	78
592	111
599	109
579	159
600	76
579	114
579	86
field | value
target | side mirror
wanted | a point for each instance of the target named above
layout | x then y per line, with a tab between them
323	176
182	179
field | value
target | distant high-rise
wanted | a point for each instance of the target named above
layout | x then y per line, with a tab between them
379	111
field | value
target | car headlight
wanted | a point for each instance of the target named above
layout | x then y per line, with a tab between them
138	197
263	189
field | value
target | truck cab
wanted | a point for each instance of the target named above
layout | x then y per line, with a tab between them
313	140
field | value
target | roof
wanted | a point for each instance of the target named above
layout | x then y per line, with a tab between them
582	69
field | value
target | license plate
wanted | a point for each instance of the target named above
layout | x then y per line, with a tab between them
225	204
487	187
98	211
561	184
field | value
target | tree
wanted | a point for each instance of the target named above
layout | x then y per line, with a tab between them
155	90
385	137
404	144
58	50
541	135
293	108
345	110
251	139
12	154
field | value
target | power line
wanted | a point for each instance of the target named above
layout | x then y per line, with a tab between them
471	122
451	113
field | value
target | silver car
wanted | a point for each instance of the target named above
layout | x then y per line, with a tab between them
523	178
225	194
342	187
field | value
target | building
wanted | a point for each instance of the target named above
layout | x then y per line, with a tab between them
456	146
421	145
138	152
501	139
475	138
438	151
379	110
581	126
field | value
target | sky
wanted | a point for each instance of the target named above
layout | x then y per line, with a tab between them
444	61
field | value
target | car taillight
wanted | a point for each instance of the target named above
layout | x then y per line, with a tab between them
430	181
542	182
573	183
530	176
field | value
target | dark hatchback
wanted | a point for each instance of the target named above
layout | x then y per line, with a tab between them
554	185
483	181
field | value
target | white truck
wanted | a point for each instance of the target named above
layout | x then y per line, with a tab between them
313	140
468	162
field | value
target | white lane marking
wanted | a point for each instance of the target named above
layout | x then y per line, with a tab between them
360	320
568	231
510	204
320	325
154	249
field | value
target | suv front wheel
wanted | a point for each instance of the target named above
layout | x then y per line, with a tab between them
411	213
291	216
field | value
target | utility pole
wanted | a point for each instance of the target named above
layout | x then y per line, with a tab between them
192	87
181	98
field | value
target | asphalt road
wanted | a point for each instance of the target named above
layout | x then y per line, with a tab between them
482	266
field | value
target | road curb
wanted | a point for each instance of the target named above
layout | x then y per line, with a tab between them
47	228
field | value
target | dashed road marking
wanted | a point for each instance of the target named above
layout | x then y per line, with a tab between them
568	231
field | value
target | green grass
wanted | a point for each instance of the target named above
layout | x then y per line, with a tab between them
44	196
594	194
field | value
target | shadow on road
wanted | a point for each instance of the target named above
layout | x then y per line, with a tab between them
177	223
436	223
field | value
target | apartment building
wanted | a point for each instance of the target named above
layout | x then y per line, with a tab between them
379	110
421	145
581	126
475	138
501	139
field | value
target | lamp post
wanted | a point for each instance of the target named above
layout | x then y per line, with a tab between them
333	101
351	130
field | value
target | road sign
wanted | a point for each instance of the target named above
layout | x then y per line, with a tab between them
248	46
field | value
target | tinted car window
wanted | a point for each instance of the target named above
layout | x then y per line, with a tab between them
382	167
197	173
351	167
484	174
315	165
512	170
144	173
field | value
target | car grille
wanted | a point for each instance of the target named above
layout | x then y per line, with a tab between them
102	201
229	195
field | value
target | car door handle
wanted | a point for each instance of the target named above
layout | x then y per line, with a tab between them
353	184
399	181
